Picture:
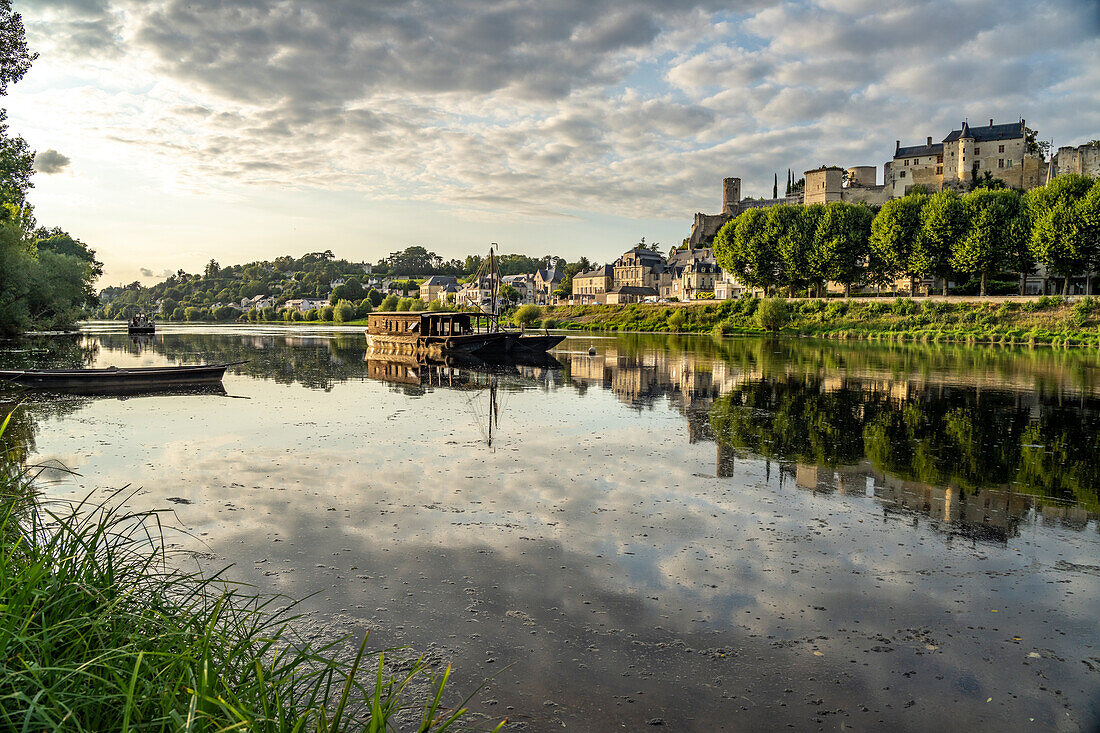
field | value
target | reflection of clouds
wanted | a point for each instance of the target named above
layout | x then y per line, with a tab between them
602	526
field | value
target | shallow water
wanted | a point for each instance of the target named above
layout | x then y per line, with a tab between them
709	534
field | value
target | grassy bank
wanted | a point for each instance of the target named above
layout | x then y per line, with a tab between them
99	632
1052	321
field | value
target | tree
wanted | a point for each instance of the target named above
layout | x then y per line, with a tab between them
343	311
1034	146
775	185
1089	217
327	313
893	242
526	315
389	303
840	244
16	157
375	297
1059	229
509	294
212	269
742	247
987	244
785	226
943	222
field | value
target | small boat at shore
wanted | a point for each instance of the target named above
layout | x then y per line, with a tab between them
114	379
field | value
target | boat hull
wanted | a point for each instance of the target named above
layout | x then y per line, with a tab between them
99	381
438	346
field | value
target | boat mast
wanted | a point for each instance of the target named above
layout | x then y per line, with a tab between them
492	289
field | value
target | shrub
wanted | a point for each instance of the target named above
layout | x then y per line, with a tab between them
326	313
193	314
526	315
835	310
904	306
296	315
364	308
676	320
389	303
772	314
704	295
549	323
344	311
312	314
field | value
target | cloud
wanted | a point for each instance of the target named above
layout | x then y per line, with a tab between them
549	109
50	161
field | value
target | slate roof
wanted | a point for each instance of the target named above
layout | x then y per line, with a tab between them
440	280
605	271
915	151
986	133
633	290
549	276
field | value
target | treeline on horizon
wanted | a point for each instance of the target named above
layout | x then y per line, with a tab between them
47	276
985	234
184	296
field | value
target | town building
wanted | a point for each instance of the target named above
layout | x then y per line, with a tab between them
306	304
543	285
432	288
592	286
639	267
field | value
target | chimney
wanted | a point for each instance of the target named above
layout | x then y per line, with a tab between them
991	122
929	141
897	146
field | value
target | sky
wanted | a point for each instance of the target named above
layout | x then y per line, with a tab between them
170	132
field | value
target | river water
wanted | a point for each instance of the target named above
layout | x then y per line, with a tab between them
700	533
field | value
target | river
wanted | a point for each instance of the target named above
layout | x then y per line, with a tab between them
700	533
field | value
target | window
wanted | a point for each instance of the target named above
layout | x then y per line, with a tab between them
939	158
1000	162
939	170
902	174
907	161
977	150
1000	148
1008	163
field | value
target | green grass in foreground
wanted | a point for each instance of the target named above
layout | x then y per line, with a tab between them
1045	320
98	633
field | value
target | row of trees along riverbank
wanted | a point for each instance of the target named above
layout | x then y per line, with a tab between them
981	234
1052	320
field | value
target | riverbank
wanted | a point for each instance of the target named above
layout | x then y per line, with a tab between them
100	632
1024	321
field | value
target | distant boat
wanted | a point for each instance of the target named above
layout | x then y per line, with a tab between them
142	323
113	379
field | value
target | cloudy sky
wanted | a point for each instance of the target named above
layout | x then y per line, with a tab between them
173	131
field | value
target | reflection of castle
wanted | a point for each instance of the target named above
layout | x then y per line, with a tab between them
692	382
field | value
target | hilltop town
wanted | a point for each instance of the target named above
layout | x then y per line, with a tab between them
993	156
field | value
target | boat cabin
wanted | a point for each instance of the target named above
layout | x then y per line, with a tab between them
420	324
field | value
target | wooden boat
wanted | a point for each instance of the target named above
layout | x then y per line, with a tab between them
113	379
539	343
434	334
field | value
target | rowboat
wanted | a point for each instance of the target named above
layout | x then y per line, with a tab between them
114	379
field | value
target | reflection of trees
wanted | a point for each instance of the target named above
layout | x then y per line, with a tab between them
317	362
960	436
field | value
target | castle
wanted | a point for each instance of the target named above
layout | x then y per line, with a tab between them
967	153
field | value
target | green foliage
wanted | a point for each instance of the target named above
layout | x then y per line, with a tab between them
943	223
108	636
344	311
327	313
991	233
840	243
893	241
677	319
773	314
743	247
526	315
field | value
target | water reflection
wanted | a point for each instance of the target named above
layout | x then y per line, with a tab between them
671	528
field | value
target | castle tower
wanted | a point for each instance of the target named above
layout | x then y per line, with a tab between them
731	195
